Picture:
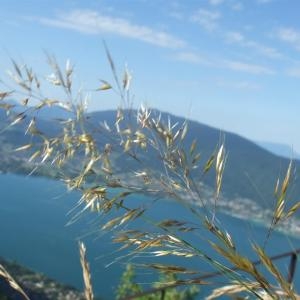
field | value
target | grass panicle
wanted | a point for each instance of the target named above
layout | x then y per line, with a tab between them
85	155
12	282
88	289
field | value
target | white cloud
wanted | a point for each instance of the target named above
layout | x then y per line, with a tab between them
176	15
215	2
92	22
247	68
294	72
237	6
206	19
191	57
195	58
289	35
264	1
236	37
239	85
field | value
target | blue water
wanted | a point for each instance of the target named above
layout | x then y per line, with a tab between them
33	231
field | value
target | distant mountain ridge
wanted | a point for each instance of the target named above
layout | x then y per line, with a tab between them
251	171
279	149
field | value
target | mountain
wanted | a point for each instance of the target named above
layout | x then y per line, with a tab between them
279	149
12	137
47	113
251	171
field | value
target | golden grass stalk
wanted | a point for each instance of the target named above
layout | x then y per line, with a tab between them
237	288
267	262
96	172
220	166
88	289
232	289
280	294
4	274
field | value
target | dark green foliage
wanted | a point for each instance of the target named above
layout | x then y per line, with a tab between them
3	297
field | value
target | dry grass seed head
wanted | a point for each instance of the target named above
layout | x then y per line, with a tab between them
88	290
232	289
6	276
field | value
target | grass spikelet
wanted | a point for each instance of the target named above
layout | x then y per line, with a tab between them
220	166
20	117
276	187
184	131
29	74
286	180
23	148
193	147
4	95
17	68
244	264
279	211
32	128
292	210
224	237
6	276
143	117
173	269
88	289
37	82
267	262
232	289
130	215
57	77
209	163
34	155
104	86
127	79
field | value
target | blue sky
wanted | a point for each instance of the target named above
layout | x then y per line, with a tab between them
231	64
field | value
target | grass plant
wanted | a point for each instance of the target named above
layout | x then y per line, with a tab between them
88	165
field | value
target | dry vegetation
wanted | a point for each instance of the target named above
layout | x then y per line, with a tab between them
105	189
4	274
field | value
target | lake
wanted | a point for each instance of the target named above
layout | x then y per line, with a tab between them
33	232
